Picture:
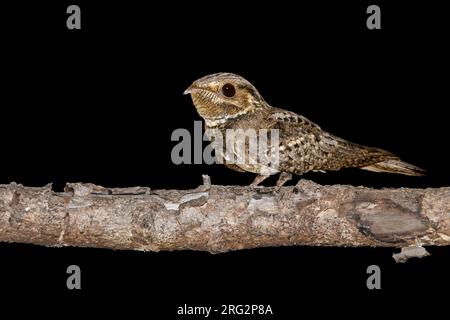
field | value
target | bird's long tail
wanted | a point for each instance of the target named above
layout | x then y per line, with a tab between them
395	166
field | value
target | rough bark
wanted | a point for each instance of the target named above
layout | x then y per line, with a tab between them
222	218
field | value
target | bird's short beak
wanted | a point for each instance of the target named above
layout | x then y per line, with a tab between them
195	87
192	88
188	90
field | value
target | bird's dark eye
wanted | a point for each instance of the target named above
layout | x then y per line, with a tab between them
228	90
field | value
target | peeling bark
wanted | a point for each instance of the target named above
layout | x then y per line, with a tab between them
223	218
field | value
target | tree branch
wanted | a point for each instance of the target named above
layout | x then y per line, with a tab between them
224	218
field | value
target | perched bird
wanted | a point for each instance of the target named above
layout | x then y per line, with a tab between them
228	101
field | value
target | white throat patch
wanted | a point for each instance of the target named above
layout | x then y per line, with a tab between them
218	121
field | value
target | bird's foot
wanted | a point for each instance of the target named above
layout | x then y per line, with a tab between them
257	181
282	179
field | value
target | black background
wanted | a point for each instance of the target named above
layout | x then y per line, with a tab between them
99	105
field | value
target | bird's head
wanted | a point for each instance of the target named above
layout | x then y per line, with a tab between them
224	96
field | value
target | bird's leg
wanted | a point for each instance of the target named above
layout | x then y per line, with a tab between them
259	178
282	179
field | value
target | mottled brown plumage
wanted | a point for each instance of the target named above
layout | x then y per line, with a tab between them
228	101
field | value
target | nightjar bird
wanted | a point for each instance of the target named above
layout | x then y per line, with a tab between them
228	101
